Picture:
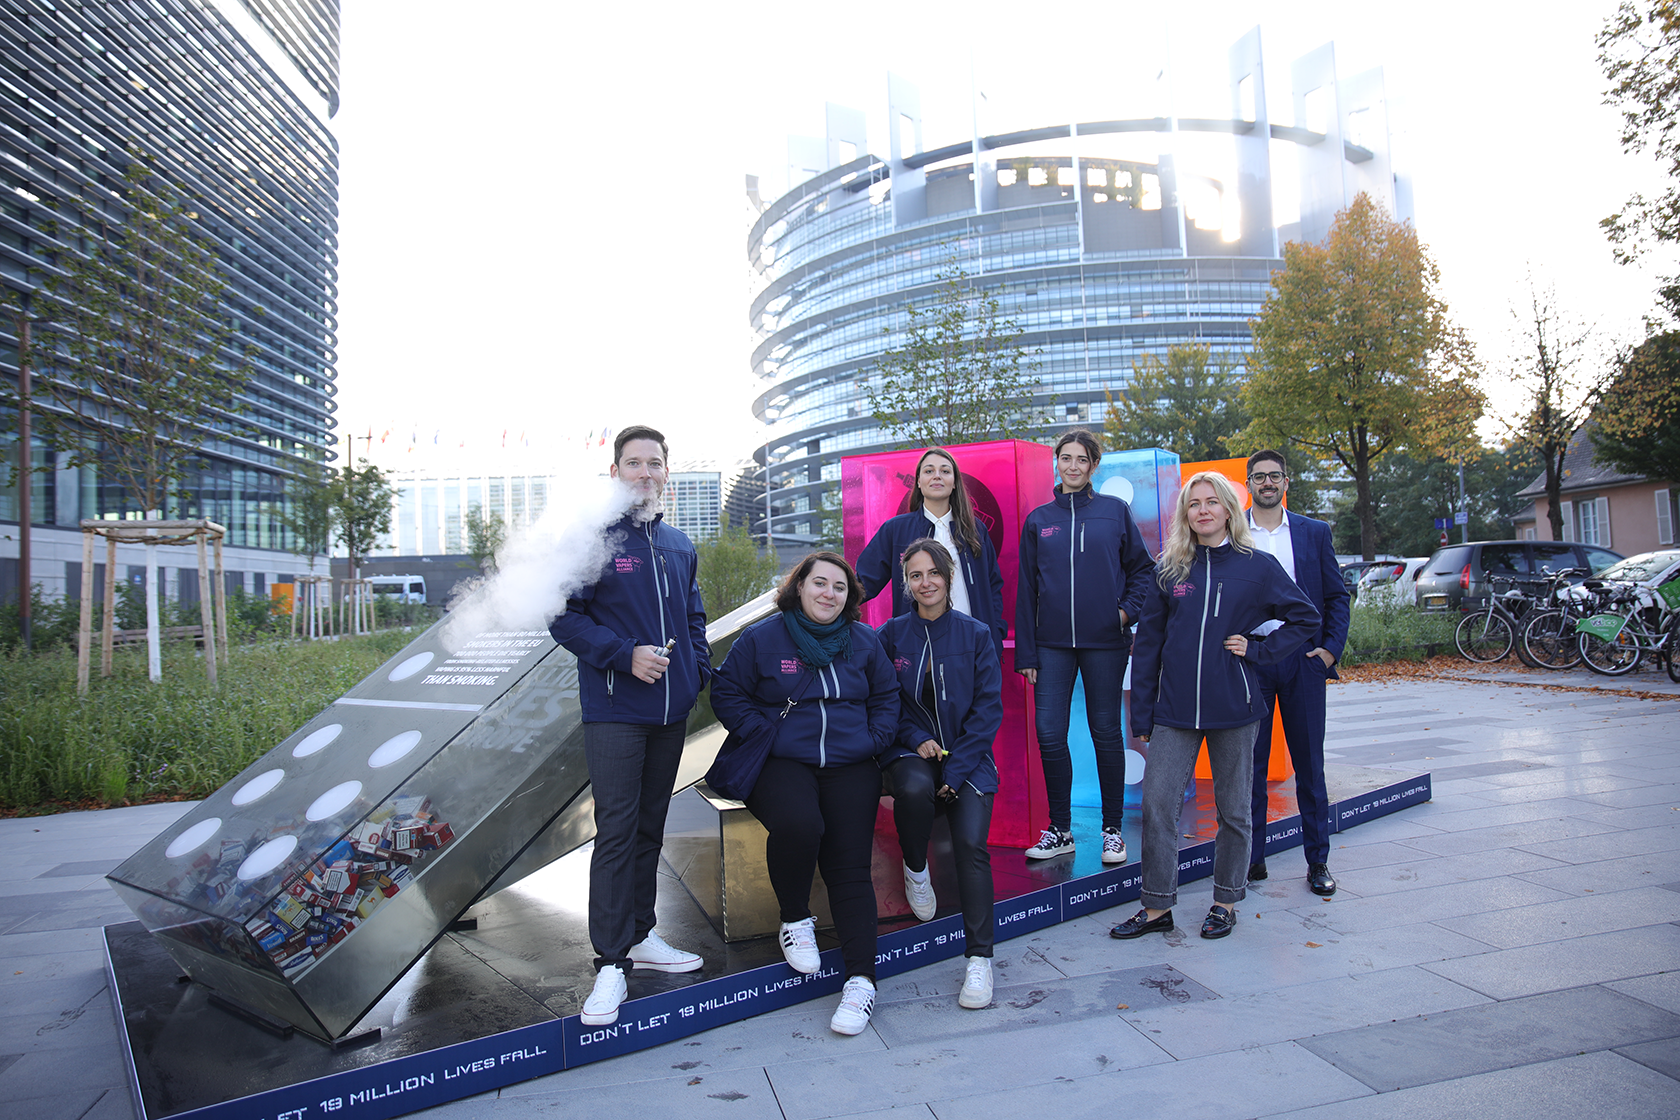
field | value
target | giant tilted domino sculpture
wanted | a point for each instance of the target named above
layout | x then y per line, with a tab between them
309	884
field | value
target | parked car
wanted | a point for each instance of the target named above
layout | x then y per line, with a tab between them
1457	575
1352	570
1391	581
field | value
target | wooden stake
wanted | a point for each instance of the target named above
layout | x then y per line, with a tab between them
205	614
108	631
84	630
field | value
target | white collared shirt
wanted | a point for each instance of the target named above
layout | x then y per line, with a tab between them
943	534
1277	542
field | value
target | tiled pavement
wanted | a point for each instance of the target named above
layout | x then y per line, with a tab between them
1511	948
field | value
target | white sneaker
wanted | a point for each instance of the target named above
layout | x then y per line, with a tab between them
601	1008
799	945
857	1000
1114	848
652	952
918	889
1051	843
977	985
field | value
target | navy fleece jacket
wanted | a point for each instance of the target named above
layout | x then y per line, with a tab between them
967	693
1082	563
1182	674
648	595
879	566
845	712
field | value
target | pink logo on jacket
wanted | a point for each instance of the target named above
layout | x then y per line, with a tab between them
790	665
627	565
1049	530
901	663
1180	590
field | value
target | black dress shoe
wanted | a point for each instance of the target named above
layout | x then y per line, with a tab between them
1257	871
1141	923
1318	878
1219	922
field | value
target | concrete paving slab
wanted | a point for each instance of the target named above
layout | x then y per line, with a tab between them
1450	1044
1662	1055
66	1104
1599	1085
1423	870
1350	915
1595	846
1300	1012
984	1064
1282	1077
1354	857
1567	918
1659	815
1659	991
1559	965
1659	794
1534	834
1605	876
740	1094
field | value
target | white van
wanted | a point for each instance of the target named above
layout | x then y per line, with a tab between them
401	589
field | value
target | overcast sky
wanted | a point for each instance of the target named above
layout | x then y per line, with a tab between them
543	229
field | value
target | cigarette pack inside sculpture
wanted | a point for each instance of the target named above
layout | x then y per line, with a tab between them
310	883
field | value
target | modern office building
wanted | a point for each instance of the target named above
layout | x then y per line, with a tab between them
1103	241
694	502
229	101
430	513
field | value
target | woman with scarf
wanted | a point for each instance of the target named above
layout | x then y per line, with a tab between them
950	708
939	508
824	676
1193	679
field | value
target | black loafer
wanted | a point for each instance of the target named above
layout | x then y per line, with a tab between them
1141	923
1318	878
1257	871
1219	922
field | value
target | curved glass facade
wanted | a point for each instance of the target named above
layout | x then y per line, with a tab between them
1099	258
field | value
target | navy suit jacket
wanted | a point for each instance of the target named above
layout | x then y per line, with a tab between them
1320	579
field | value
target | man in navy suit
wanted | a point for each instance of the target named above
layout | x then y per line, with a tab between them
1297	684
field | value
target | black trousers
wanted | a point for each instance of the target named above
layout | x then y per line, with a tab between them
911	782
823	816
632	768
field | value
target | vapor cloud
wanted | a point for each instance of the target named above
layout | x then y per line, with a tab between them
539	568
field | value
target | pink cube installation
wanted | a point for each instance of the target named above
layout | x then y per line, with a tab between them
1006	480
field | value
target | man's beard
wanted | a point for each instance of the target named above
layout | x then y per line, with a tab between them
648	508
1272	502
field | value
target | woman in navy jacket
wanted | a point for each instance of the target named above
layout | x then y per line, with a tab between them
823	677
940	509
950	709
1193	677
1084	572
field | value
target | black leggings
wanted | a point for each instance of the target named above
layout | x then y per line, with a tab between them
911	782
823	817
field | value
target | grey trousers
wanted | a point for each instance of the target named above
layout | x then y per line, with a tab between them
1172	760
632	767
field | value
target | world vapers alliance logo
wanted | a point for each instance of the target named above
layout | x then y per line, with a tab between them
627	565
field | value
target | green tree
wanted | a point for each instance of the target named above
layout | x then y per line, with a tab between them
361	510
142	367
1639	49
1187	404
1558	379
962	374
1410	493
1637	418
308	511
486	533
1354	357
733	570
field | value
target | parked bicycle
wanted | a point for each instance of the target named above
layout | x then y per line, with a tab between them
1490	632
1633	621
1549	636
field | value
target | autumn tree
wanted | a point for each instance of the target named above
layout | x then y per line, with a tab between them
308	511
961	374
1187	403
1639	49
1557	374
1355	358
1410	493
486	533
1637	418
362	500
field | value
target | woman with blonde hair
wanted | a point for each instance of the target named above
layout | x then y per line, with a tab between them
1193	678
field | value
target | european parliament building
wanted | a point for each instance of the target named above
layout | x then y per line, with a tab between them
230	102
1103	240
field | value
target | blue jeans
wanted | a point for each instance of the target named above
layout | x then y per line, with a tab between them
632	768
1104	671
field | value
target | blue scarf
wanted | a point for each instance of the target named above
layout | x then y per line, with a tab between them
819	643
